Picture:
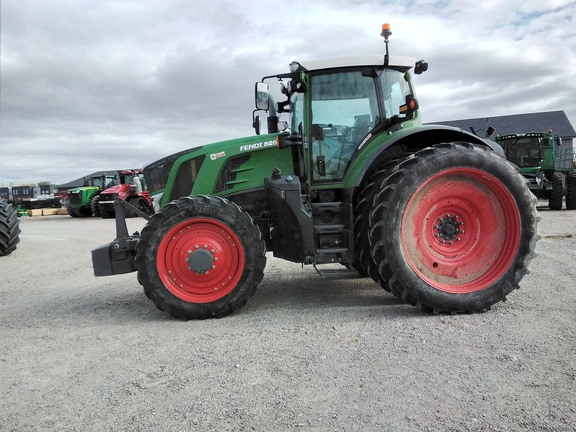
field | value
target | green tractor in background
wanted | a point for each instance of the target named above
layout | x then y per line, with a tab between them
547	164
83	201
347	174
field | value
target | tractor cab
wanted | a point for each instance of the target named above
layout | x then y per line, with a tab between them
337	106
530	150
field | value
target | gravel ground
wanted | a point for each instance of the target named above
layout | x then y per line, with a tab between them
82	353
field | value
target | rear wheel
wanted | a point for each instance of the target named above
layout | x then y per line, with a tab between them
200	257
9	228
453	228
571	192
556	193
364	263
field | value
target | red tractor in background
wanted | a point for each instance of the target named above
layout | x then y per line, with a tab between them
132	188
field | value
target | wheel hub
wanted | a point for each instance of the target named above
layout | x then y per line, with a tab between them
200	260
448	229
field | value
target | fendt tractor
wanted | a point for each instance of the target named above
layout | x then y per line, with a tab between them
547	163
132	188
434	214
9	228
83	201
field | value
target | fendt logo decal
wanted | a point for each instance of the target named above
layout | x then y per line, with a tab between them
215	156
259	145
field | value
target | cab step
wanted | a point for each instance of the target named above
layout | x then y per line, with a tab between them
342	273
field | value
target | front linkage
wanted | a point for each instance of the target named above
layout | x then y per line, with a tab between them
117	257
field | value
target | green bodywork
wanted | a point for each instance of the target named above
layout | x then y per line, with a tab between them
85	194
374	95
80	198
263	155
339	124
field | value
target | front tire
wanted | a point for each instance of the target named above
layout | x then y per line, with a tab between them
72	211
556	193
454	228
200	257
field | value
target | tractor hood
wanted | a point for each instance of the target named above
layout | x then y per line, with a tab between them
122	190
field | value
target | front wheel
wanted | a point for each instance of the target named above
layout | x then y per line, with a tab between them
200	257
72	211
557	192
453	228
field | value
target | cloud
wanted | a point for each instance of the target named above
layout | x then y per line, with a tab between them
98	85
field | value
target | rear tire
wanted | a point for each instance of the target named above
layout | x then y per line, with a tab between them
556	193
364	263
200	257
454	228
9	228
571	191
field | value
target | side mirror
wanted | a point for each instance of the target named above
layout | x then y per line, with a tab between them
262	96
420	66
490	131
284	141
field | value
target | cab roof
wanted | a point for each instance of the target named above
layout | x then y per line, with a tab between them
395	62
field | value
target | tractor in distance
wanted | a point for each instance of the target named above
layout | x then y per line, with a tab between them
132	188
547	163
346	174
83	201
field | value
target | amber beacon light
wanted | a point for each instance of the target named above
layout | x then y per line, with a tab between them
386	32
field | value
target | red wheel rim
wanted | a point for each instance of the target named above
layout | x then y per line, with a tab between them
461	230
212	239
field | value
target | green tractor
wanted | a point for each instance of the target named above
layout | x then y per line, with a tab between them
346	175
83	201
547	164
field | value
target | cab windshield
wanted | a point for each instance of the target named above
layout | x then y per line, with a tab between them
524	152
346	106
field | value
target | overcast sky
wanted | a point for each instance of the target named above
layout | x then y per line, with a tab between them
93	85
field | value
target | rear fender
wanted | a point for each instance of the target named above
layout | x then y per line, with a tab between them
379	149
